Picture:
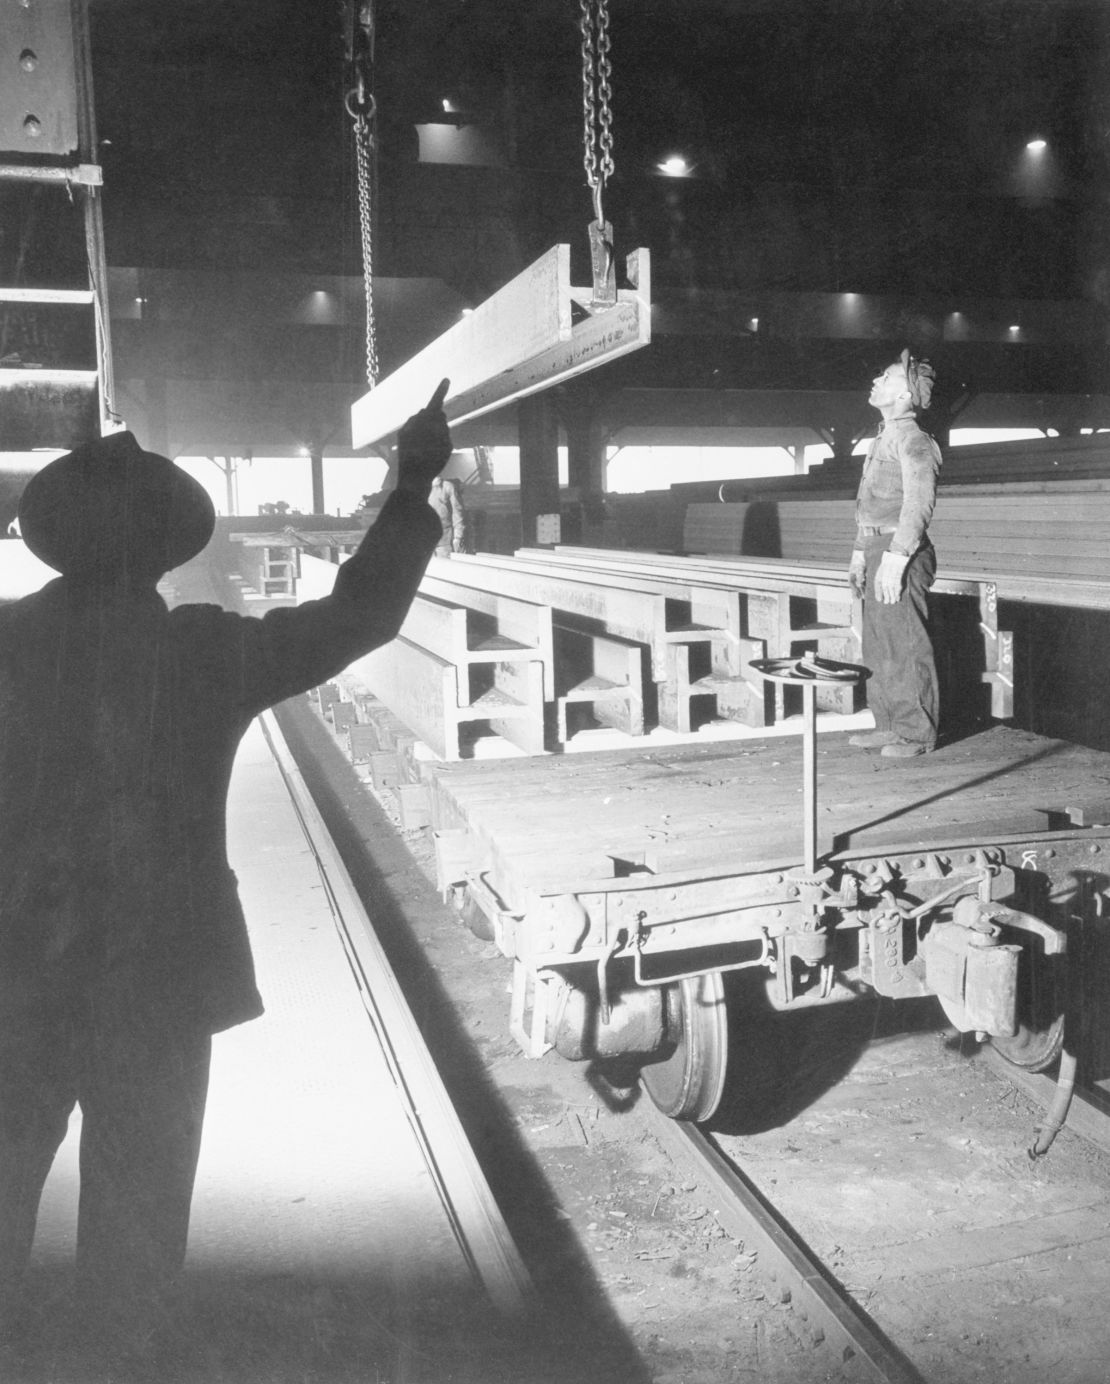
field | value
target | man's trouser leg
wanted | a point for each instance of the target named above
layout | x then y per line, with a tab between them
37	1095
142	1088
902	690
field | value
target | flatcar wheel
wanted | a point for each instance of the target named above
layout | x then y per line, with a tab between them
1042	986
689	1079
1042	992
1031	1049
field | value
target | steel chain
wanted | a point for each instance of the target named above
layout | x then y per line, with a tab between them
364	143
596	98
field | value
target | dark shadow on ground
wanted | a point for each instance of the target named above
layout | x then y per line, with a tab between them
781	1062
573	1314
293	1329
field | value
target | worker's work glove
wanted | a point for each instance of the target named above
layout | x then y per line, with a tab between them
888	579
424	446
857	574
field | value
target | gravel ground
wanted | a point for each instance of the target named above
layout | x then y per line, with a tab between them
868	1125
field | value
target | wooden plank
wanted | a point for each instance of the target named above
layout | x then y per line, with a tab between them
742	803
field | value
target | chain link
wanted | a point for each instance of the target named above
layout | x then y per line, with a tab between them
361	107
364	144
597	97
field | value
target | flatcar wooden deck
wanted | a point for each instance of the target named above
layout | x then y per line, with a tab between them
553	824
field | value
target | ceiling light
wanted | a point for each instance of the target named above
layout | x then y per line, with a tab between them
1037	146
674	166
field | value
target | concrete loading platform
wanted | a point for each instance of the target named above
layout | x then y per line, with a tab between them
329	1238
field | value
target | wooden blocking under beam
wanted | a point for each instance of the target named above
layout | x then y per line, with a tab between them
362	742
324	696
342	715
385	769
604	672
414	805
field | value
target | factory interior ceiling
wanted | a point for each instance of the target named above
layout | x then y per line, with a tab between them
819	182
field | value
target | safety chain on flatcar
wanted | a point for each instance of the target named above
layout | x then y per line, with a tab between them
362	108
597	141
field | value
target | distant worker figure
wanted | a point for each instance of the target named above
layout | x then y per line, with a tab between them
123	946
446	500
893	564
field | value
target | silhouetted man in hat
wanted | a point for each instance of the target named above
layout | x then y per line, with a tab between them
122	941
893	564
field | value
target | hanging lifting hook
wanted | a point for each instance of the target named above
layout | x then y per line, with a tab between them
359	101
359	17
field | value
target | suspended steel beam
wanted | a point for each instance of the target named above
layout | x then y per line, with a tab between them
535	332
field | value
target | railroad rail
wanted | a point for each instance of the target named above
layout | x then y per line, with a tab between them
468	1203
836	1321
950	1239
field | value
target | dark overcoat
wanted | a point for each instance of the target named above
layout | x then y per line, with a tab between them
119	722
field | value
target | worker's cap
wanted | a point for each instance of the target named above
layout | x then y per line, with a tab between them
920	379
109	509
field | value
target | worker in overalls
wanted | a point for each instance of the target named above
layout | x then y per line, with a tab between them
893	564
123	946
446	499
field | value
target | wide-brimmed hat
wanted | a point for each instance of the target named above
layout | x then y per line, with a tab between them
108	509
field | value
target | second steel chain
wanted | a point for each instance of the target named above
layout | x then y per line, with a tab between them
364	144
596	99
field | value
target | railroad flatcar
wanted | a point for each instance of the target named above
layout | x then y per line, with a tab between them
626	886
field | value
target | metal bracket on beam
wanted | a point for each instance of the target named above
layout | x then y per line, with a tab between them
521	340
998	645
603	266
998	649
